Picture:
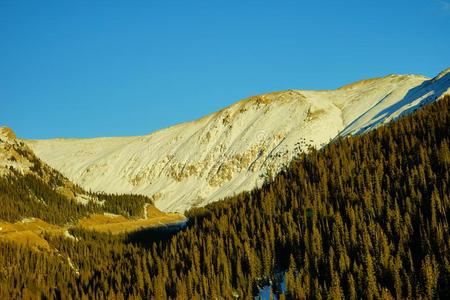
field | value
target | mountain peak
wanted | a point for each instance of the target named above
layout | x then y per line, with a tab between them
442	74
8	132
380	80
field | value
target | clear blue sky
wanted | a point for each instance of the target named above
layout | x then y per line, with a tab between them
108	68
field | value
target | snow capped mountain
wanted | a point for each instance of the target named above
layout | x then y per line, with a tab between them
233	150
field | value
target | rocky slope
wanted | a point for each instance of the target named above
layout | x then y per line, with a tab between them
192	164
17	157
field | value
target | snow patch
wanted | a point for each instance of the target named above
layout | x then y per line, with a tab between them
111	215
69	236
28	220
85	199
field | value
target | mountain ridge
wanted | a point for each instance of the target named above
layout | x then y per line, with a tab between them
236	148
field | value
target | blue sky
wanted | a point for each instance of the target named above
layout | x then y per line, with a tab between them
111	68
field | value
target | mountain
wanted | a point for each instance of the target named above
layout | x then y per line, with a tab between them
18	160
237	148
365	217
31	189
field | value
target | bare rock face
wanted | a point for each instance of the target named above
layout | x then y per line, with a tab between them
235	149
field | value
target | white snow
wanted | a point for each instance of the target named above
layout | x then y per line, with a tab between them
85	199
28	220
233	150
69	236
111	215
71	265
145	210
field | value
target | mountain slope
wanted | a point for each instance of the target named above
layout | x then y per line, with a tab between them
363	218
31	189
235	149
17	160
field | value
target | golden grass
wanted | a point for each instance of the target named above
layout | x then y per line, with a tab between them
29	232
115	224
28	238
31	224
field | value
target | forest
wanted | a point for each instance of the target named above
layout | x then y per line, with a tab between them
366	217
27	195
